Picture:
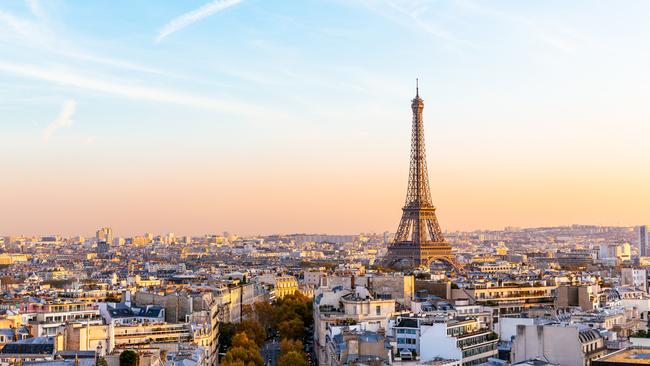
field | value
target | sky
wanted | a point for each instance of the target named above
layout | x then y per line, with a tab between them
262	117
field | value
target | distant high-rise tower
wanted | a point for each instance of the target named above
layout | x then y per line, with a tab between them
643	240
102	247
419	240
104	234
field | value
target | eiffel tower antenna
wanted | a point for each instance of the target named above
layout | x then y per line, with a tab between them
419	240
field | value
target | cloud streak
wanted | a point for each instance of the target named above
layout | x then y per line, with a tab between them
410	13
121	89
36	9
37	35
63	120
23	27
561	38
194	16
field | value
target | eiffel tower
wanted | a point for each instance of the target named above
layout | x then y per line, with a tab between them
419	240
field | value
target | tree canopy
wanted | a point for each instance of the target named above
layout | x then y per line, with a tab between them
291	353
288	345
292	358
129	358
290	316
254	330
244	351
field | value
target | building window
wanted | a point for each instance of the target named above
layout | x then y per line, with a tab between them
378	309
406	341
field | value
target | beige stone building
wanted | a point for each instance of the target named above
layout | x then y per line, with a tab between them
338	306
566	345
285	285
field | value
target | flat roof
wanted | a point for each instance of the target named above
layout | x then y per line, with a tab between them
631	355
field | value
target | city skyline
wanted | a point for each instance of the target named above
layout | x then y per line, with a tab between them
243	116
90	233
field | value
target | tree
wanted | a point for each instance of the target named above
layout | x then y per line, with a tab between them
129	358
243	352
292	329
641	334
101	361
293	358
294	305
226	332
241	340
290	345
246	356
253	330
265	314
232	363
289	315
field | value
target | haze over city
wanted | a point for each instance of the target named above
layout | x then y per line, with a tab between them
262	117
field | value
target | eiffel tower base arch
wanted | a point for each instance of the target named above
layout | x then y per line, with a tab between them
409	257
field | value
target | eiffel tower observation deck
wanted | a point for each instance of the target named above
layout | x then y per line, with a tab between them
418	241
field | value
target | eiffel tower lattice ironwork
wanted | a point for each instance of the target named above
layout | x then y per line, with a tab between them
419	240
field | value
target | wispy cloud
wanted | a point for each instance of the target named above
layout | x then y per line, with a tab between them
37	35
125	90
411	13
24	28
194	16
63	120
562	38
117	63
414	11
36	9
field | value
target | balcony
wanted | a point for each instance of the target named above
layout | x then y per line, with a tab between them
470	340
329	309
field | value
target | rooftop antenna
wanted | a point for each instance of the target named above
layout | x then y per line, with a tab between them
417	87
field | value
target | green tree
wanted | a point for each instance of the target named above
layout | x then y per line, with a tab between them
266	314
129	358
292	329
295	305
226	332
293	358
641	334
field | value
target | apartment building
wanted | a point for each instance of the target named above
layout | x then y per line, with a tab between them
561	343
508	297
50	318
426	337
338	306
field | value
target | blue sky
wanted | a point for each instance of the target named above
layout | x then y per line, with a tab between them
208	101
